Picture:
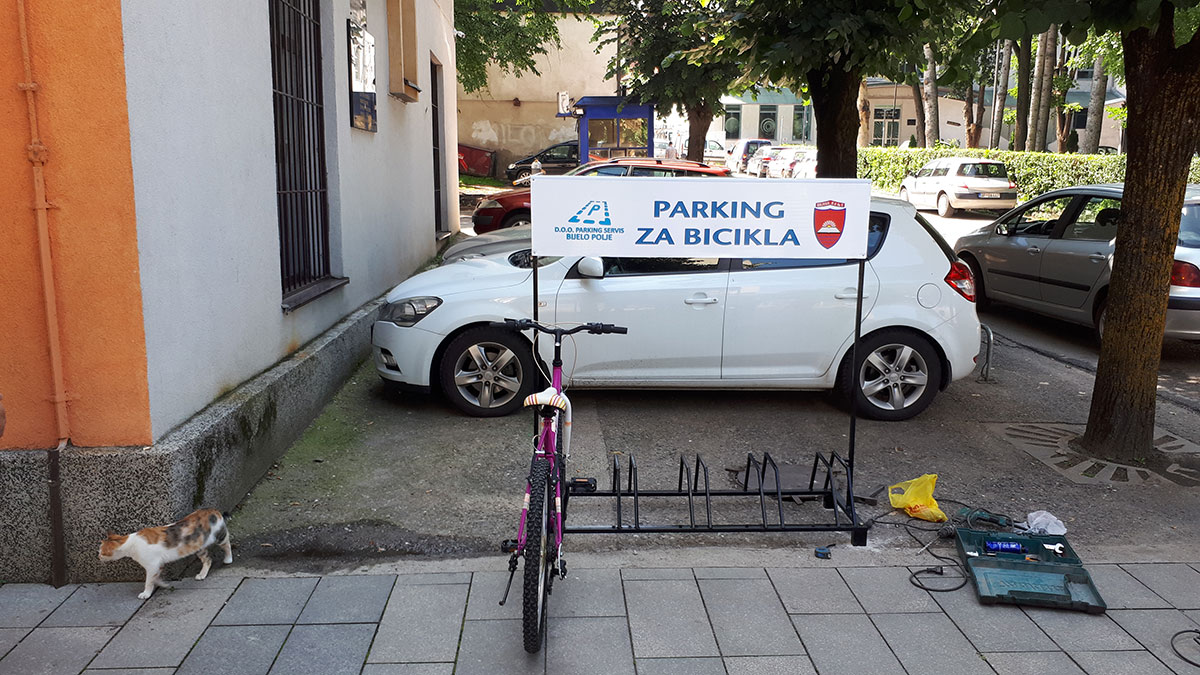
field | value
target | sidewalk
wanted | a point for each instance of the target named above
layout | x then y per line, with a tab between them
605	619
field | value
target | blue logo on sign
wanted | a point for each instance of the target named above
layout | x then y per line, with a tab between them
594	212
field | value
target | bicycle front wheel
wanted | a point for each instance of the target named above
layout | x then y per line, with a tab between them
537	569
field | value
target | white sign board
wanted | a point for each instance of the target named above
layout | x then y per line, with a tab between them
700	217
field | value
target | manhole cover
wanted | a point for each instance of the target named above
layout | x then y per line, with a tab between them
1050	444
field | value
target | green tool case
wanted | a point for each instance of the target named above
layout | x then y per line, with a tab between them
1034	576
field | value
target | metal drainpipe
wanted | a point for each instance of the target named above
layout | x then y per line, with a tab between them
37	159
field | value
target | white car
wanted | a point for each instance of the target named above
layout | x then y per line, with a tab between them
805	167
952	183
781	164
703	323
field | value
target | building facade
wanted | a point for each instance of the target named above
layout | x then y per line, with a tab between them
197	192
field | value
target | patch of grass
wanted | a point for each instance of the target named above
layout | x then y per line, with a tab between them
480	181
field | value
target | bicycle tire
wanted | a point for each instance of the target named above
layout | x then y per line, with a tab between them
535	594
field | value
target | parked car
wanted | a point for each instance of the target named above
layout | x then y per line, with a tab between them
714	152
765	323
511	208
757	166
781	163
1053	255
742	151
952	183
805	167
558	158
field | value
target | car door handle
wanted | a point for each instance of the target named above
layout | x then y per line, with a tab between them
700	301
1097	257
850	294
1033	250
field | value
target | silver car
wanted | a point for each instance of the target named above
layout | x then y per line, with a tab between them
1053	255
952	183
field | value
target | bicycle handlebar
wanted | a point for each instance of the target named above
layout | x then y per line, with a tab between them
526	324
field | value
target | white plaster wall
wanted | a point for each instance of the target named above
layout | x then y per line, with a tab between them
198	78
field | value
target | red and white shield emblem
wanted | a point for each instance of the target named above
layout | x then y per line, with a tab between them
829	219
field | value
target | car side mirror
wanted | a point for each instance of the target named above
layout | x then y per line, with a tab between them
591	268
1004	229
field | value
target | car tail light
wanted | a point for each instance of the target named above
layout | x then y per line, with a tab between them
1012	185
960	279
1185	274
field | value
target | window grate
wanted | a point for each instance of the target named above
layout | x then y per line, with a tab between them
300	179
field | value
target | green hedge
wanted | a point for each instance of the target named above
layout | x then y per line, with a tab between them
1033	172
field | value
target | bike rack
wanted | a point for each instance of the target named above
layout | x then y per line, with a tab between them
691	486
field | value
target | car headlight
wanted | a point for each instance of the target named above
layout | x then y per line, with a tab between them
488	204
408	311
512	166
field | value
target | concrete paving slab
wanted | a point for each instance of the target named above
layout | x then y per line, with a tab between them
814	591
486	590
27	605
730	573
328	649
667	618
589	645
215	579
1119	663
235	650
433	578
588	592
9	637
929	643
993	628
130	671
684	666
1154	628
1121	590
348	599
1016	663
421	624
98	605
1080	632
408	669
267	601
648	573
887	589
1176	583
54	651
496	648
748	618
769	665
845	643
164	630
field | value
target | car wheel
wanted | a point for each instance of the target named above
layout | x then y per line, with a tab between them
487	372
981	300
1101	316
897	375
904	194
944	208
521	218
523	173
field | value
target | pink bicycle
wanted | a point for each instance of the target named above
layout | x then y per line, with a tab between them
546	489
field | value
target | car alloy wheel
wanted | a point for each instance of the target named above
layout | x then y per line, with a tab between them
523	173
893	376
944	208
898	375
487	372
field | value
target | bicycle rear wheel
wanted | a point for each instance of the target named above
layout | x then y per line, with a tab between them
537	555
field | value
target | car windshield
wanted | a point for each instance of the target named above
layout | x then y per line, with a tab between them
984	170
1189	226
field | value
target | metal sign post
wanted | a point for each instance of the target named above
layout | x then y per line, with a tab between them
676	217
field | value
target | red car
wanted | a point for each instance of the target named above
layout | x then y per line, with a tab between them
511	207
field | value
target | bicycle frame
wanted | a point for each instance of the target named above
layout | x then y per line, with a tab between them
546	448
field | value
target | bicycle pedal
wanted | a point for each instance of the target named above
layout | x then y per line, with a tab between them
581	484
508	546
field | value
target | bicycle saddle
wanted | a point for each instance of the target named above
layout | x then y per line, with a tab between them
549	397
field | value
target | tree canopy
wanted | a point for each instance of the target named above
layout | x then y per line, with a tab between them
508	33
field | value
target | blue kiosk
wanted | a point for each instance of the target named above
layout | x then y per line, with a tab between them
608	129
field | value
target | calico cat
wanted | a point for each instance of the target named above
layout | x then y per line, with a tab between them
154	547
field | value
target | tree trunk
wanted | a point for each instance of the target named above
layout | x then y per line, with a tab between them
834	92
980	109
1035	106
1164	115
700	117
1023	47
1047	86
1090	142
969	123
932	124
919	104
864	116
1000	95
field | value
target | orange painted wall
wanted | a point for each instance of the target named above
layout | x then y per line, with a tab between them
79	66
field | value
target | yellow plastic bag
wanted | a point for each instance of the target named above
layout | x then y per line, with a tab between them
916	498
